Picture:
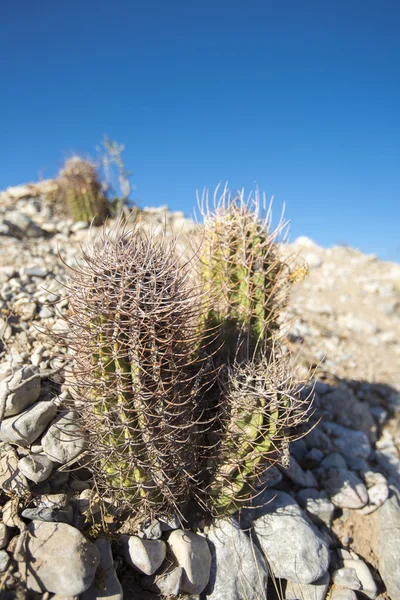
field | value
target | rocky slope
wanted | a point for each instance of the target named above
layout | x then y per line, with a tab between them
326	526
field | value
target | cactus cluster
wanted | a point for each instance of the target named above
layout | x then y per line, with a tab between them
183	389
81	192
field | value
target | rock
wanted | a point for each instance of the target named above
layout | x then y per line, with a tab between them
33	272
343	594
345	489
347	441
377	495
346	577
52	501
20	390
49	515
192	553
145	556
291	543
11	479
64	440
387	544
4	560
311	591
368	585
334	459
20	226
25	428
238	569
152	531
316	503
36	467
167	582
4	535
61	560
105	584
5	330
296	474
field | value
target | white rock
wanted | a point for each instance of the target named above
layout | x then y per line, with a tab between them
36	467
20	390
316	503
192	553
4	535
167	583
25	428
368	585
310	591
64	440
348	441
292	545
377	495
145	556
345	489
4	560
387	543
339	593
11	479
346	577
105	584
61	560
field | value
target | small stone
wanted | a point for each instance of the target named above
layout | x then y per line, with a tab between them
46	312
334	459
346	577
348	442
36	467
316	503
64	440
152	531
4	560
26	427
52	500
343	594
61	559
387	543
50	515
368	585
10	513
4	535
311	591
345	489
312	459
145	556
377	495
192	553
5	330
105	584
20	390
20	225
298	476
11	478
167	582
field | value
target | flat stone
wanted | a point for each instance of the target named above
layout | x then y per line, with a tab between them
310	591
291	543
61	560
345	489
36	467
334	459
192	553
316	503
346	577
64	441
50	515
20	390
11	478
348	442
145	556
4	560
368	585
238	569
105	584
26	427
387	544
166	581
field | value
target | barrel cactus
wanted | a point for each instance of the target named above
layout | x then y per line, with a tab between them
81	192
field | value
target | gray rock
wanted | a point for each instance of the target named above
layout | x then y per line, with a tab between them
387	544
5	330
4	560
33	272
343	594
61	560
377	495
25	428
368	585
167	582
4	535
347	441
334	459
105	584
20	226
291	543
346	577
317	438
36	467
64	440
313	458
191	552
238	569
11	478
345	489
316	503
49	515
298	476
52	501
145	556
152	531
20	390
311	591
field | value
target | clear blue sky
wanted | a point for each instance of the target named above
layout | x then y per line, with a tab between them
299	96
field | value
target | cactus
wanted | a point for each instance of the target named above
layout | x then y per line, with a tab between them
247	286
136	371
81	191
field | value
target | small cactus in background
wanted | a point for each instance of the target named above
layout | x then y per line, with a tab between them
136	369
82	193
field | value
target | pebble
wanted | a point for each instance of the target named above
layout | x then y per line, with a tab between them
4	535
20	390
11	478
345	489
348	442
145	556
36	467
167	583
339	593
191	552
298	476
50	515
312	591
368	585
387	543
334	459
291	543
64	440
23	429
346	577
316	503
105	584
4	560
238	569
61	559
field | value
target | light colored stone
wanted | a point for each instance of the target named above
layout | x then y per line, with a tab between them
298	476
145	556
11	478
339	593
192	553
4	535
346	577
105	584
368	585
291	544
316	503
377	495
64	440
348	442
36	467
20	390
167	583
345	489
4	560
310	591
238	569
387	544
23	429
61	560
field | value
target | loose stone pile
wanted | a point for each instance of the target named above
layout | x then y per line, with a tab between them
328	523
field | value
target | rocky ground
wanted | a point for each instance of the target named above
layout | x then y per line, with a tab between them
328	525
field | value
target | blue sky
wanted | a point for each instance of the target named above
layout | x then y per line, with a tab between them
300	97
